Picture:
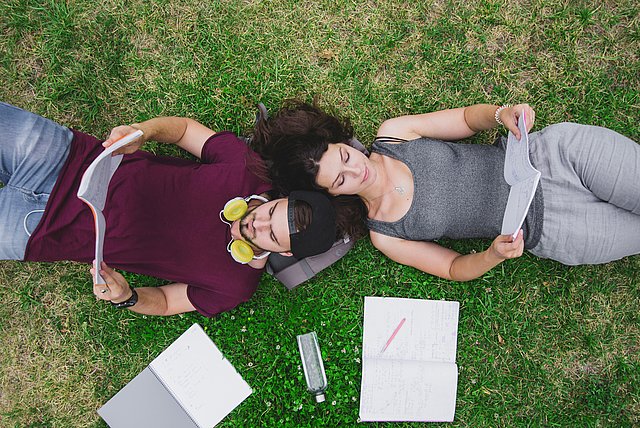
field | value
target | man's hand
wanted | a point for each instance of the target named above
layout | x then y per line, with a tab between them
510	116
122	131
116	289
504	248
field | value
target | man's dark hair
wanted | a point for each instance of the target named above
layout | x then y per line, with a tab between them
302	214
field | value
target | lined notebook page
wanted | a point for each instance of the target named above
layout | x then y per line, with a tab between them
408	365
204	383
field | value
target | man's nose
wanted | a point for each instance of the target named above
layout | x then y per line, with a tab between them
260	223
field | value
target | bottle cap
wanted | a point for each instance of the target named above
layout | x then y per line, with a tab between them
319	398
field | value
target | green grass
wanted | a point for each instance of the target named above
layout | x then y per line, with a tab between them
540	344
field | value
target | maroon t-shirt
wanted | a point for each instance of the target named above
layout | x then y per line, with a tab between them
162	216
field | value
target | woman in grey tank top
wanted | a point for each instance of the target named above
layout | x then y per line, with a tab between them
418	187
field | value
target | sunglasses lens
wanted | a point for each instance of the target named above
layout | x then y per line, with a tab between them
235	209
241	252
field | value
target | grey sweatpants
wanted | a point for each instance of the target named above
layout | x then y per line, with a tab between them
591	190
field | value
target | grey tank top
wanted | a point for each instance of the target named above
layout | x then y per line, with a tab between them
459	192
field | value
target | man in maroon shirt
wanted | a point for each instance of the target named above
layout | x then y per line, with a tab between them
162	213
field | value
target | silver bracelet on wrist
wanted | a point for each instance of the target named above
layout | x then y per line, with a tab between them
498	111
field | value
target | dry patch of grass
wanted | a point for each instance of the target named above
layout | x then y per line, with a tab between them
48	370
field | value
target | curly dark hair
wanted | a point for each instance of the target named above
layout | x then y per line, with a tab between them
294	139
292	143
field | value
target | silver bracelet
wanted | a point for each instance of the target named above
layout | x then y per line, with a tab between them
497	113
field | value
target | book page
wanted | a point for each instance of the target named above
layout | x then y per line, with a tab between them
199	377
520	197
517	166
95	181
408	360
93	192
522	177
400	390
429	333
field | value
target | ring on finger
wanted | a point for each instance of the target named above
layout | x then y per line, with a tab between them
104	290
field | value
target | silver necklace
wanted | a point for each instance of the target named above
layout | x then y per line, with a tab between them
398	189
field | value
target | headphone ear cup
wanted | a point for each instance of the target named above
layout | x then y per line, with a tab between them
235	209
241	252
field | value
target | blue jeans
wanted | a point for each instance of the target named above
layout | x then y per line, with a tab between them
32	152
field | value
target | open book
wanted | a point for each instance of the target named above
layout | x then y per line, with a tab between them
93	192
189	385
408	360
522	177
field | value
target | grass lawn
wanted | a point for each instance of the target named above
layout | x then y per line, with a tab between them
540	344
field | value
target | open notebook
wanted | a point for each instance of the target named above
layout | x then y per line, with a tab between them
189	385
409	371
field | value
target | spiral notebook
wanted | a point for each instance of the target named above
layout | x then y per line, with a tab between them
189	385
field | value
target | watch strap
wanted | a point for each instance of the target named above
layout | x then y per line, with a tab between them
129	302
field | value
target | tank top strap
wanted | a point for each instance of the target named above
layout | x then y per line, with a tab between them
384	139
385	228
387	146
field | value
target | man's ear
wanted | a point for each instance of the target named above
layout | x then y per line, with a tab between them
286	253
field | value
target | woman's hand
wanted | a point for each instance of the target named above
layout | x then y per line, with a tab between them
122	131
504	248
509	116
116	288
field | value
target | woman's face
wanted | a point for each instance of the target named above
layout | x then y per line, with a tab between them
345	171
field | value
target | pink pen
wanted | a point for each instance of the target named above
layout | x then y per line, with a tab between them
386	345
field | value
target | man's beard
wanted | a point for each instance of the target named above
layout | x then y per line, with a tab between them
244	228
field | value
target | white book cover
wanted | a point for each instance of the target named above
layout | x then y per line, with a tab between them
521	176
408	360
93	190
190	384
